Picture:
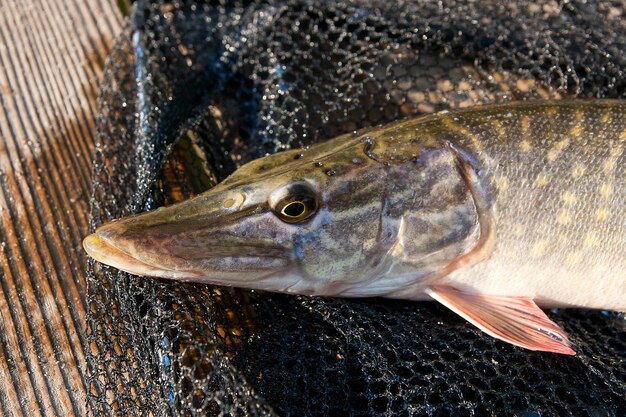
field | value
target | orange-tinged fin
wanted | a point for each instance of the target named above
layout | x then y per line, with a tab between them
516	320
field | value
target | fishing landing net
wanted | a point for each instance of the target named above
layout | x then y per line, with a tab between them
194	89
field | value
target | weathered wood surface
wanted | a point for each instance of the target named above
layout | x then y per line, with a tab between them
51	58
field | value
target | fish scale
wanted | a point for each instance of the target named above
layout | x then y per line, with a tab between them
491	211
560	237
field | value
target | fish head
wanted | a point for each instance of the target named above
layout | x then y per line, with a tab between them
321	221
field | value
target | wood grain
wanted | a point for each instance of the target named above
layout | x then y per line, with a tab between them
51	58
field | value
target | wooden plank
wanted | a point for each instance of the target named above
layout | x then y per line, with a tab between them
51	57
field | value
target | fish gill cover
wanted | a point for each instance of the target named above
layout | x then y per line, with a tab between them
245	78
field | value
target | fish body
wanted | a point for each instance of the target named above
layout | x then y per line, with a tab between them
557	175
489	210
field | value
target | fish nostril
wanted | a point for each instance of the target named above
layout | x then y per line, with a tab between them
234	202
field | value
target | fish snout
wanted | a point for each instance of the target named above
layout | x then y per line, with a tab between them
107	253
217	247
125	245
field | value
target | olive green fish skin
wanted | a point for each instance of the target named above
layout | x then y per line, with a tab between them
555	174
522	199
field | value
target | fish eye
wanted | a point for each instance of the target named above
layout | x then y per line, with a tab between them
295	203
294	209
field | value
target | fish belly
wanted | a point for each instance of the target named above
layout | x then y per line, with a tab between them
557	177
596	287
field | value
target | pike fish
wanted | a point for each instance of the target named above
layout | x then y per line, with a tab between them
493	211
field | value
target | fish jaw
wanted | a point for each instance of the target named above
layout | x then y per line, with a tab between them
105	252
201	240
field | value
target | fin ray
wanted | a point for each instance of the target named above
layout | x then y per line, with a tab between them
516	320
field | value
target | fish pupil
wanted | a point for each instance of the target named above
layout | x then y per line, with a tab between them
294	209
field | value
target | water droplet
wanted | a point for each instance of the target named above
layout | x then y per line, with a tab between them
319	164
330	172
298	156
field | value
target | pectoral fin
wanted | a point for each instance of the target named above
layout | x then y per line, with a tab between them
516	320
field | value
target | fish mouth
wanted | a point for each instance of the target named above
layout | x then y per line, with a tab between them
161	244
202	239
104	251
228	263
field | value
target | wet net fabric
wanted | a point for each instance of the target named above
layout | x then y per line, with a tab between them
238	80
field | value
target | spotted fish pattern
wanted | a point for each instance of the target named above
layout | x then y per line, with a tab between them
492	211
557	177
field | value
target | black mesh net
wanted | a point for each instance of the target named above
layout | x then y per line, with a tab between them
193	89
